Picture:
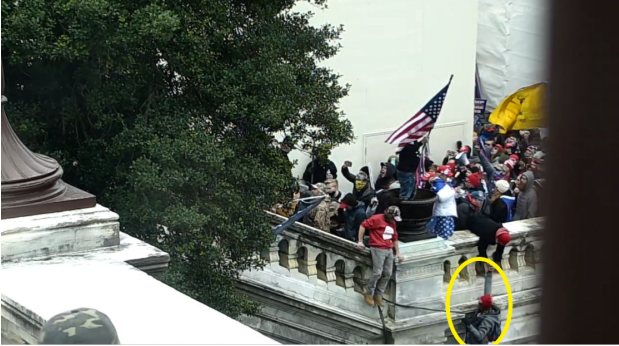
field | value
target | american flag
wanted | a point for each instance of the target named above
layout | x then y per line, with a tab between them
421	123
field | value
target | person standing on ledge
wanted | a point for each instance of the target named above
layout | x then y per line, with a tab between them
383	240
407	169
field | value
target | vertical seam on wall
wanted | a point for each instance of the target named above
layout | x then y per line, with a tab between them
508	8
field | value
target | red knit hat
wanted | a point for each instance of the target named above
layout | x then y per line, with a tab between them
503	237
474	180
486	301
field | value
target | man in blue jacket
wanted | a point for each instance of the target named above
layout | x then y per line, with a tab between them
354	215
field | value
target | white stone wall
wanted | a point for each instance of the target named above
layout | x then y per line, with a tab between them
397	54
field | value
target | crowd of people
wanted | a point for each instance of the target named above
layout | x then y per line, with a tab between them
478	188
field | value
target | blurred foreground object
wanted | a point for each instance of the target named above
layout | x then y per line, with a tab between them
581	237
79	327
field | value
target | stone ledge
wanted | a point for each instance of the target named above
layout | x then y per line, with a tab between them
143	310
58	233
517	230
132	251
283	299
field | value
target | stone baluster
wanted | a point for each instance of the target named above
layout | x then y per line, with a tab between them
505	265
270	255
326	267
472	268
344	276
447	271
517	259
288	254
307	256
361	277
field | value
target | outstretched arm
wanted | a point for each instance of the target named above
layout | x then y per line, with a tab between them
346	173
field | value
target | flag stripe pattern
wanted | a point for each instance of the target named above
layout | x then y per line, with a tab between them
420	124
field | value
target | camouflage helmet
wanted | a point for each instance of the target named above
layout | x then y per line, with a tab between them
79	326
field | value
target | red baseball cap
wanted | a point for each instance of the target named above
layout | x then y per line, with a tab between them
514	157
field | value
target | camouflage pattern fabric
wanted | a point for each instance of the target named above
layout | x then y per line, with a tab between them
320	217
80	326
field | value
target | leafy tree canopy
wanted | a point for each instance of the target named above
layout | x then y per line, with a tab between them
166	111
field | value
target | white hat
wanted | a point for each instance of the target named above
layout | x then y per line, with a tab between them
502	186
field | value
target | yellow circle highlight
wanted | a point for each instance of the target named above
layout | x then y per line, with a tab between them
510	300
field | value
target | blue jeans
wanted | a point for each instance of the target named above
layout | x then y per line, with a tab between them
408	185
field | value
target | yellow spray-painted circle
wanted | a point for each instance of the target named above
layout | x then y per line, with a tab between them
509	297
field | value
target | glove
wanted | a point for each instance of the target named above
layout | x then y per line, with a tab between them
374	202
468	320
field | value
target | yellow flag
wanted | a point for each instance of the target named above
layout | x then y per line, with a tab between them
521	110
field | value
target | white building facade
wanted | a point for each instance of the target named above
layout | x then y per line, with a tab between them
397	54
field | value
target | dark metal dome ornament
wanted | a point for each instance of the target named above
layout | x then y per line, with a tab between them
31	183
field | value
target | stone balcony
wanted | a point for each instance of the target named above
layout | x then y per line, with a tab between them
311	288
56	262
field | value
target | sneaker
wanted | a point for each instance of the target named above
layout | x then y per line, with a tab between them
369	299
379	301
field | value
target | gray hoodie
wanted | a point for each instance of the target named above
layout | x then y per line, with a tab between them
487	324
526	204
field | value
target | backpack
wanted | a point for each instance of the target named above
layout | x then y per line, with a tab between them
494	334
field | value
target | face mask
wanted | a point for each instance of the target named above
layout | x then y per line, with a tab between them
360	185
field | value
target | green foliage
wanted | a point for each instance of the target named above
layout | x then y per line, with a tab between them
166	111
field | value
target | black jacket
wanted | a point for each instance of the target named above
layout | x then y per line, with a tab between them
485	228
499	211
317	173
409	158
382	183
386	199
465	211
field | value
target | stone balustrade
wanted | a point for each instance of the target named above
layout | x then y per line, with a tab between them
316	274
316	253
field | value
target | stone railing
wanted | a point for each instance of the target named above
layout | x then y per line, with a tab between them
521	262
333	259
316	253
321	277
